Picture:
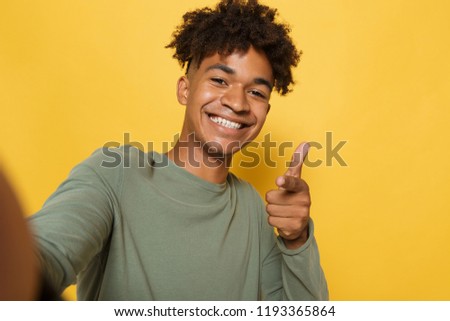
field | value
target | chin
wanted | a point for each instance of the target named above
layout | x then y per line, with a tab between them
222	149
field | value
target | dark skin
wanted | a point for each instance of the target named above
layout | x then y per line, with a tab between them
19	273
288	206
227	101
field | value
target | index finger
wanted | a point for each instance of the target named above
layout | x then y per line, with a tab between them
291	184
295	167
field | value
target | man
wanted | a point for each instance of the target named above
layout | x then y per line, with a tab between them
179	226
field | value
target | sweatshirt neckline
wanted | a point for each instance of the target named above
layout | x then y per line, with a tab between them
161	160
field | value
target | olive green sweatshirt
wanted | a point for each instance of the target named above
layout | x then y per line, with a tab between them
129	225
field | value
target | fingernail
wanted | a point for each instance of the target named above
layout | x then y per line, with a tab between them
280	181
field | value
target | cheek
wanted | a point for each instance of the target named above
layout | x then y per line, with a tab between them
202	95
261	115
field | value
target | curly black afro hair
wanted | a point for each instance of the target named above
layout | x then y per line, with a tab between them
237	25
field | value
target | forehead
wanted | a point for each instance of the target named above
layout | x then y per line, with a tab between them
252	62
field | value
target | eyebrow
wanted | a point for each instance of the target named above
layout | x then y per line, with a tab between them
231	71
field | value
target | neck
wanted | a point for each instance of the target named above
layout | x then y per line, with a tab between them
195	160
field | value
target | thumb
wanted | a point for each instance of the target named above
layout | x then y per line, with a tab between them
295	167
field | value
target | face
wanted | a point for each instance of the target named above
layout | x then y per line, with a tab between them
226	99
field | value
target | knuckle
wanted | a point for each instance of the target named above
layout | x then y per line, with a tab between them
270	196
288	234
292	182
304	214
303	200
269	208
306	186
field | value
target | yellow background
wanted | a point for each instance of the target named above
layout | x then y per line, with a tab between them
77	74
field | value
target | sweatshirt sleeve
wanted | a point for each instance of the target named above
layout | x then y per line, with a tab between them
294	275
75	222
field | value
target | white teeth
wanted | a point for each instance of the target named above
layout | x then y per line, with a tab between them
225	123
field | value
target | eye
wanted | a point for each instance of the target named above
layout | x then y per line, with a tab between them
257	93
218	81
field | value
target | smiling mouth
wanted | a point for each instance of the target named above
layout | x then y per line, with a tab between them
225	122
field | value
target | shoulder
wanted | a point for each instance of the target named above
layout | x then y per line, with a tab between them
244	188
107	159
109	164
115	157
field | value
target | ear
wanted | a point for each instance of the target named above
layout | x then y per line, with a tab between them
183	90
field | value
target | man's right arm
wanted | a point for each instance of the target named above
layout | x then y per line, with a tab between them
75	222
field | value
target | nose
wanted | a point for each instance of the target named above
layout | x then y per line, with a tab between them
235	99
